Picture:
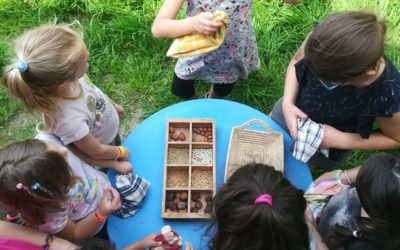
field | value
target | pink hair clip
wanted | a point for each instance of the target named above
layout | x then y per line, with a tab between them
20	186
264	198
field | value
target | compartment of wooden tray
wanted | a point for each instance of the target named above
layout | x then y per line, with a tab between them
179	132
178	177
201	203
178	154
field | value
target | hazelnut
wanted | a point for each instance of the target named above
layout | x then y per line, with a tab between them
182	136
171	130
184	196
209	129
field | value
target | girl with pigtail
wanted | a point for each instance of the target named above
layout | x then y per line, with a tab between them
365	214
258	208
53	190
48	76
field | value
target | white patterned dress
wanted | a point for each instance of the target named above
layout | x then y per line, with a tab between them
236	57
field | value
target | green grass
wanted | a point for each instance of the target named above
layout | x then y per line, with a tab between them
131	67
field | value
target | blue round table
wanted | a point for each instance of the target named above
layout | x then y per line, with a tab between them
147	145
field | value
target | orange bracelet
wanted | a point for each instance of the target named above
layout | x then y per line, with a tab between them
100	217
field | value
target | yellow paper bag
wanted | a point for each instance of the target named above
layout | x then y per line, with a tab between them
196	44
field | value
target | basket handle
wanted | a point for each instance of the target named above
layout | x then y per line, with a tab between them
256	121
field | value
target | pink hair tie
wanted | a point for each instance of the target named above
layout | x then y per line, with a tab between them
20	186
264	198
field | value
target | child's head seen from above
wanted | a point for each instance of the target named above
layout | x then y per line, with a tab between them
346	46
278	214
47	59
378	189
34	179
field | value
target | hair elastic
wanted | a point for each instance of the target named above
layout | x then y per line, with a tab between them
21	186
36	186
264	198
22	65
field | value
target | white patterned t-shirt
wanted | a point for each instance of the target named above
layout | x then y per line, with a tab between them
84	197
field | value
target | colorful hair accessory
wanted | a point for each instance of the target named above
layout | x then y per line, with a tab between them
21	186
264	198
22	66
36	186
10	217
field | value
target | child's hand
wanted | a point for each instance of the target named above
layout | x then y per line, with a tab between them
120	110
291	112
110	201
146	242
123	167
203	23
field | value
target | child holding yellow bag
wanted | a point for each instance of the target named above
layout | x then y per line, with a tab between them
235	58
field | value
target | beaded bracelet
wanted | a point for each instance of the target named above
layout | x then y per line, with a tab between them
347	177
48	241
100	217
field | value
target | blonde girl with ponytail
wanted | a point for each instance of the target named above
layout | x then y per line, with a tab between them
48	74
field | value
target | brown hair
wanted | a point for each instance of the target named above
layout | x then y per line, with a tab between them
51	53
29	162
345	46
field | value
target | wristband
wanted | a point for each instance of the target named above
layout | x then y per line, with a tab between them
100	217
48	241
120	152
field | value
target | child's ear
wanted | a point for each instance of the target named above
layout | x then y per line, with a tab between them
371	72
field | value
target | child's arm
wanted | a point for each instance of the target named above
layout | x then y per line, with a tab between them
88	226
145	243
166	26
90	146
290	111
385	139
123	167
13	231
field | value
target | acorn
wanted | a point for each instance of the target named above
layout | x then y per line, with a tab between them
171	130
174	137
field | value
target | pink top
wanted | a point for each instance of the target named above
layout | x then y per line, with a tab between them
9	244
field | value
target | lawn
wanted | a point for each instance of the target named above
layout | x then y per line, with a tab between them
129	65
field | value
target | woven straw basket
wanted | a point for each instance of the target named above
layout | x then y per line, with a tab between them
247	146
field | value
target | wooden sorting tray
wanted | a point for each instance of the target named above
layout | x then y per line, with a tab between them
189	169
247	146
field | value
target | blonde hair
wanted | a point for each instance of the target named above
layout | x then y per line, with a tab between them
51	53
